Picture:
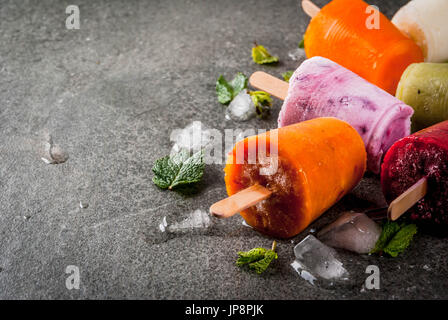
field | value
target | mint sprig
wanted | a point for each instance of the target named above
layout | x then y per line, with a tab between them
226	91
263	102
178	169
257	259
287	75
261	56
394	238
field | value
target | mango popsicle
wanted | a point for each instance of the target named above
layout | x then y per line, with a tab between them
424	87
425	21
322	88
340	32
423	154
319	161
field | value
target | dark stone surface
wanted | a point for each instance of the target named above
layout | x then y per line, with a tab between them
110	94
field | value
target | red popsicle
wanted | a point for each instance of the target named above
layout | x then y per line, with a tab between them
422	154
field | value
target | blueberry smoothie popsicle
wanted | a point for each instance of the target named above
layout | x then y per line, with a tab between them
322	88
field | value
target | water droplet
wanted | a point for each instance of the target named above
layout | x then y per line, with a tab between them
53	153
83	205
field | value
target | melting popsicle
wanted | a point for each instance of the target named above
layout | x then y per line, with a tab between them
322	88
318	162
424	86
379	53
422	156
425	21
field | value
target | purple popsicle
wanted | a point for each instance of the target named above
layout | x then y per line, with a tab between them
322	88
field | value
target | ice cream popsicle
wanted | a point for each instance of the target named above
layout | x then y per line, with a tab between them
346	32
318	162
423	154
426	22
424	87
322	88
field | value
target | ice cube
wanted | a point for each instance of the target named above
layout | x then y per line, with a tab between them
194	137
297	54
318	260
241	108
198	219
352	231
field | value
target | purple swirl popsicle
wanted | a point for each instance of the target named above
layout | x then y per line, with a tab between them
322	88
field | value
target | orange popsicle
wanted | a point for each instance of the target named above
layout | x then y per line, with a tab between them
319	161
344	31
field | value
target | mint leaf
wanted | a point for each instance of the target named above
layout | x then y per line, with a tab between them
394	238
179	169
258	259
389	230
287	75
261	265
262	101
261	56
238	84
224	90
245	257
302	44
401	240
227	91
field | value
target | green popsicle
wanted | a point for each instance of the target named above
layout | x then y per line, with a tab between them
424	87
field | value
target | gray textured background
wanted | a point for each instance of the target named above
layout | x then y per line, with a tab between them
110	94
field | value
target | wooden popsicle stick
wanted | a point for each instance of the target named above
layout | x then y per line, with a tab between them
407	199
239	201
310	8
272	85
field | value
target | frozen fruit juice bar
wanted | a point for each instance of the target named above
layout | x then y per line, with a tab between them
340	32
422	154
322	88
424	87
319	161
426	22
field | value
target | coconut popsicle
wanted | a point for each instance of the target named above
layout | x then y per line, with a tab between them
424	87
322	88
422	154
425	21
319	161
379	53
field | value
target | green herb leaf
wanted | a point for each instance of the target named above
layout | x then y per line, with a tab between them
263	102
261	56
224	90
401	240
245	257
179	169
389	230
302	44
287	75
395	238
238	84
258	259
227	91
260	266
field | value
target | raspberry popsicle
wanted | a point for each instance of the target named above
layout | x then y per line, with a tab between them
425	21
322	88
424	86
421	155
318	162
341	32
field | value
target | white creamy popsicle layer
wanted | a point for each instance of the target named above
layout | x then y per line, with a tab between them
323	88
426	22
